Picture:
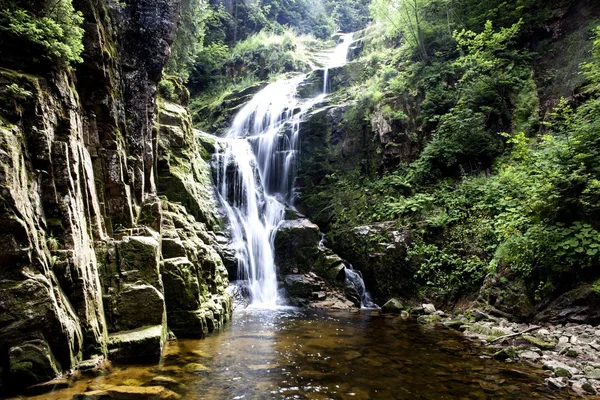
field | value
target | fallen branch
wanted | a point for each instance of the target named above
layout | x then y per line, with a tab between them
515	334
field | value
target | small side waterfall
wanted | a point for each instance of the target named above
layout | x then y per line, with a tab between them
355	280
255	168
338	58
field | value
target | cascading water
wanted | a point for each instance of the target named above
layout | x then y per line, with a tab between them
338	58
255	171
355	280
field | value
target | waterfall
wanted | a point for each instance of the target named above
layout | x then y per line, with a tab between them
355	280
338	58
255	167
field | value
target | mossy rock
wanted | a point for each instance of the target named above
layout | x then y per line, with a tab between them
506	353
542	344
393	306
32	362
561	372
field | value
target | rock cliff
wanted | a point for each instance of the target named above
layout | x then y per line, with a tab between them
107	231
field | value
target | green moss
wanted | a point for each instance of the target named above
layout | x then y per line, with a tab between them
596	287
542	344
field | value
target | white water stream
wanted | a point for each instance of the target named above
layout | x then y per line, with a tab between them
256	169
338	58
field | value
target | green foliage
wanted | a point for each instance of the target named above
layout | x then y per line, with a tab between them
189	38
18	92
51	32
259	57
166	88
591	69
447	273
52	243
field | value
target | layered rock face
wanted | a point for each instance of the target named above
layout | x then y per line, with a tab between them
106	214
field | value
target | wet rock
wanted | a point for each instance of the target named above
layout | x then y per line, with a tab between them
552	365
32	362
458	324
139	305
298	250
477	315
592	373
129	393
307	290
302	286
588	388
428	308
143	343
379	252
50	386
557	383
530	356
393	306
182	289
195	368
562	373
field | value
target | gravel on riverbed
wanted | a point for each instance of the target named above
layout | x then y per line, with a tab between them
570	353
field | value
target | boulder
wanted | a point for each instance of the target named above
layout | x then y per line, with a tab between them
139	305
302	286
309	290
580	305
296	246
393	306
32	362
143	343
506	296
379	252
428	308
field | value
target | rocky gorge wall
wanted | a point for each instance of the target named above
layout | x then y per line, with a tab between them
107	231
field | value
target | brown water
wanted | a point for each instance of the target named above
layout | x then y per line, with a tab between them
297	354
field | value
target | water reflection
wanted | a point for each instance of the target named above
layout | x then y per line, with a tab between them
293	354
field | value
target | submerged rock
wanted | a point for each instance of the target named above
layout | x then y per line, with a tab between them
129	393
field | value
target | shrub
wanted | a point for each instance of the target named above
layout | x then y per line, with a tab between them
53	31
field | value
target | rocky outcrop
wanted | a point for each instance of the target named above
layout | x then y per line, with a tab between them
379	252
312	275
90	256
579	305
332	142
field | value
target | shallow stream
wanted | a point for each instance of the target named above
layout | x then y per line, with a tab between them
299	354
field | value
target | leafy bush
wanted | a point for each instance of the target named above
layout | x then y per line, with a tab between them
51	31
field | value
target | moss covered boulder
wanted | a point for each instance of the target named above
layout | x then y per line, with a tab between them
379	252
